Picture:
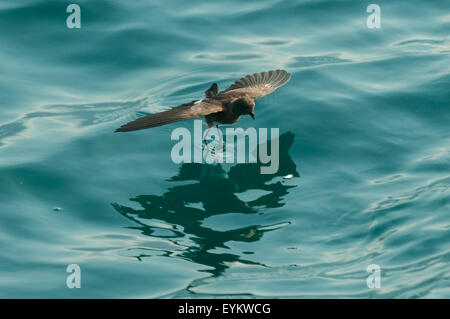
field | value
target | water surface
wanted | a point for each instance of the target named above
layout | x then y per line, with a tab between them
364	140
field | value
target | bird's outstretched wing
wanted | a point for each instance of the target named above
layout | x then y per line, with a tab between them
175	114
257	85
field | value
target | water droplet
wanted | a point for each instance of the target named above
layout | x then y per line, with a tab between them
57	209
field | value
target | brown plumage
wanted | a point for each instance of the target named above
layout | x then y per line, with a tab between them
224	107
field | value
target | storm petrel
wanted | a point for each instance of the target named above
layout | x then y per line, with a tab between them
224	107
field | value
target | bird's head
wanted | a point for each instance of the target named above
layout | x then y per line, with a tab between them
244	106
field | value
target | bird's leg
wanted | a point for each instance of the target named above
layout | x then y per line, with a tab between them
208	147
219	146
212	149
220	137
208	150
206	134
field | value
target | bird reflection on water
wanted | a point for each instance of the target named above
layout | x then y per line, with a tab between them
216	191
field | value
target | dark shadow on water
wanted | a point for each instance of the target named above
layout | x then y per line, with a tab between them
211	192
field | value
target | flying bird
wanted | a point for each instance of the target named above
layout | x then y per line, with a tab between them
225	107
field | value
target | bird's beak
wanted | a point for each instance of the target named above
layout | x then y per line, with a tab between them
252	115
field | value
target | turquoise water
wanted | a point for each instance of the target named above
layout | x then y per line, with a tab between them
365	146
